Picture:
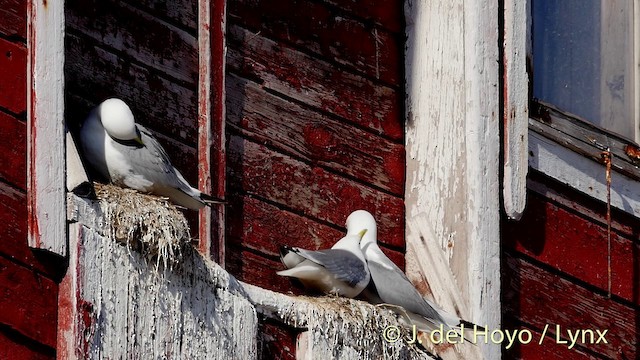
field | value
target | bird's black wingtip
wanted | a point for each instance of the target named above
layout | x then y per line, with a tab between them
284	250
211	200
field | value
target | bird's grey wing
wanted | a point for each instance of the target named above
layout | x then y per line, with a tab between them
343	264
151	160
394	288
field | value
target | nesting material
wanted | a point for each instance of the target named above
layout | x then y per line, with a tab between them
148	224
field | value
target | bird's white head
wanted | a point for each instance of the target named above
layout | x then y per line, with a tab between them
360	220
117	120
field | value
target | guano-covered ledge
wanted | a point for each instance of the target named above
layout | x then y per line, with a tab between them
137	288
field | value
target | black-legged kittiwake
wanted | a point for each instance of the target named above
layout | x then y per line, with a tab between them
390	287
340	270
127	154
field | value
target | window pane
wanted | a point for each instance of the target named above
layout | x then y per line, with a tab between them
582	59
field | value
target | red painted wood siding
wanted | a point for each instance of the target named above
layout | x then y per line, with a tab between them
555	272
28	280
146	53
314	127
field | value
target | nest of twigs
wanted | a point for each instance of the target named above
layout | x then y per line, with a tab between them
145	223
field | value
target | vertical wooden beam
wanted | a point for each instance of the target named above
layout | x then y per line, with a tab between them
453	157
516	107
211	124
46	136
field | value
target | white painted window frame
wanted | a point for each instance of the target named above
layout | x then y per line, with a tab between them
577	163
46	190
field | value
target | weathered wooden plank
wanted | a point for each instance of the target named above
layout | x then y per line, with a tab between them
13	347
538	297
257	270
276	341
387	13
13	150
577	246
156	102
13	18
453	146
13	216
315	138
126	29
13	72
29	302
565	196
212	125
183	12
45	131
588	177
516	107
265	227
310	190
315	82
318	28
123	307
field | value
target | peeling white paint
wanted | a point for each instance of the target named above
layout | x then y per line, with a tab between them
452	139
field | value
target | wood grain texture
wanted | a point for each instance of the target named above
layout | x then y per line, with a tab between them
313	137
28	300
45	130
539	297
326	32
97	74
14	346
387	13
182	12
515	107
264	227
576	245
127	30
13	72
315	83
310	190
13	18
453	148
13	214
13	147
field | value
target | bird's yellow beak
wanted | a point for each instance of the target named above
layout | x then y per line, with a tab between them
138	140
362	232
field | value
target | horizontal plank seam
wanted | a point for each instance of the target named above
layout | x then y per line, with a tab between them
598	221
283	207
26	266
31	343
321	111
13	186
574	280
234	130
330	60
22	117
14	38
133	60
354	16
159	15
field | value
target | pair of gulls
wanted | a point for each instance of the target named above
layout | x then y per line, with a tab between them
128	155
356	265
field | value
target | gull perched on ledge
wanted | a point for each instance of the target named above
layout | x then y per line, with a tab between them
127	155
340	270
391	288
